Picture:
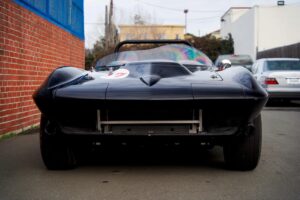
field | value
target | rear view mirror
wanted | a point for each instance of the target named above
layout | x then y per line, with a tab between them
224	64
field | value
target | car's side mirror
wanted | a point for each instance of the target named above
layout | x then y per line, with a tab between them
224	64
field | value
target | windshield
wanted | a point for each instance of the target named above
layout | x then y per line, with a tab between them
283	65
173	52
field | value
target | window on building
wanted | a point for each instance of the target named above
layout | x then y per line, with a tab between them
65	13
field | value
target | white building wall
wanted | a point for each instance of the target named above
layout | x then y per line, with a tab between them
229	18
262	28
278	26
243	34
226	25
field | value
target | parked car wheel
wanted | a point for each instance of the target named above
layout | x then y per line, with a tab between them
243	152
56	154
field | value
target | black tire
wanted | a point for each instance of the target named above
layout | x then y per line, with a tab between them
56	154
243	152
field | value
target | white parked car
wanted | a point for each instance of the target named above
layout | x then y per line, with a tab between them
279	76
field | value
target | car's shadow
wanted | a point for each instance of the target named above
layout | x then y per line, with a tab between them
153	156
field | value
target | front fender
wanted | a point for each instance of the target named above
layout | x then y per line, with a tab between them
60	77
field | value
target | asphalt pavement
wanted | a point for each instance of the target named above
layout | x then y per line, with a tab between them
171	174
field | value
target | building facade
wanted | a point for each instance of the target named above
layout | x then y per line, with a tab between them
35	38
229	17
150	32
261	28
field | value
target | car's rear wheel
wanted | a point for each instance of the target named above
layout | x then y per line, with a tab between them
56	153
243	152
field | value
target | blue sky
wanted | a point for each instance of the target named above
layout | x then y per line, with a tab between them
203	17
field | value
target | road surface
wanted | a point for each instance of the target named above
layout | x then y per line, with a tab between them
165	175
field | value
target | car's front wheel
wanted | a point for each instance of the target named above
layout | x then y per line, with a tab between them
243	152
56	154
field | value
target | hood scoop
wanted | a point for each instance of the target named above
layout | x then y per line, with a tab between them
150	79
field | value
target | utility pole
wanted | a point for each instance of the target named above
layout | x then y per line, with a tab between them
106	27
110	28
185	13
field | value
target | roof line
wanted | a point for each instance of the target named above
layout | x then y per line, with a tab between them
237	7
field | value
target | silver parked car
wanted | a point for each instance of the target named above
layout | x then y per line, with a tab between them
279	76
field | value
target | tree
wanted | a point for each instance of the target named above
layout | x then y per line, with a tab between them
212	46
89	58
99	50
138	20
227	45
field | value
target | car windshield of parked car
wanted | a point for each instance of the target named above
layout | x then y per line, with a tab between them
278	65
172	52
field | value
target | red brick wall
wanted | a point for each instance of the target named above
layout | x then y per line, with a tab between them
30	48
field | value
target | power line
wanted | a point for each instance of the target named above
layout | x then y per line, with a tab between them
176	9
192	19
204	18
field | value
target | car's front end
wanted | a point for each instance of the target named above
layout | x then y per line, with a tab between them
150	100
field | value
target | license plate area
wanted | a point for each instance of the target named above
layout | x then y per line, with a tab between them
151	127
293	80
148	129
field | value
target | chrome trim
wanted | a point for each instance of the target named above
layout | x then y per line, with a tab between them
196	125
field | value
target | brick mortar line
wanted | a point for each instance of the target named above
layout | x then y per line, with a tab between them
18	113
5	62
21	75
5	98
17	102
20	118
46	59
36	38
17	91
26	54
39	45
10	86
22	123
17	52
16	108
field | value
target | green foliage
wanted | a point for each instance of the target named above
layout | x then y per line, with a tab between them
92	55
138	20
32	129
212	46
227	45
7	136
89	59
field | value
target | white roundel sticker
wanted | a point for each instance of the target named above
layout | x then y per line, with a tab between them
118	74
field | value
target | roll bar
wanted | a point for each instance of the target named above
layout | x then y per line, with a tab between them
151	42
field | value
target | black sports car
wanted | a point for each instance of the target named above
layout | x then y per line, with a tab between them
165	94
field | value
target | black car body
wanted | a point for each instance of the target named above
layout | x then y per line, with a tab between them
147	98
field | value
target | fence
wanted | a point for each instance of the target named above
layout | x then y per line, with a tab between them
290	51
